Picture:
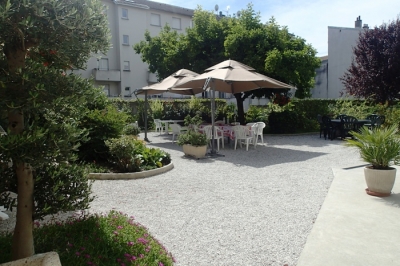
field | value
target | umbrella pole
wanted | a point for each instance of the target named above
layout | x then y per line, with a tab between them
145	117
213	152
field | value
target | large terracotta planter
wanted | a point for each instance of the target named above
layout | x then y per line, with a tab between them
379	182
195	151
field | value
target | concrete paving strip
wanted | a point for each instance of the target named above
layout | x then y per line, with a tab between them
353	228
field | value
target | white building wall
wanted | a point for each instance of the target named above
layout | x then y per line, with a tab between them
341	42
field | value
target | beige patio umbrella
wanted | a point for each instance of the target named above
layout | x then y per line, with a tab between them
181	76
232	77
177	78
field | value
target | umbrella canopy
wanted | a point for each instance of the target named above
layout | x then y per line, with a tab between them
232	77
179	77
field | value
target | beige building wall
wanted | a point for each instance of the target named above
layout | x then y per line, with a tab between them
121	70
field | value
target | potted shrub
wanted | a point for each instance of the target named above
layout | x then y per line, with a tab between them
381	148
193	142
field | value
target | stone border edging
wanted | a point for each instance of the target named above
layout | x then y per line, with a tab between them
136	175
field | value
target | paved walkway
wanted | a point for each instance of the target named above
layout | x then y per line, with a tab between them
354	228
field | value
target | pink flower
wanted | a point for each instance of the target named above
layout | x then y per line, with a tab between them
115	233
130	243
77	254
120	227
141	256
160	264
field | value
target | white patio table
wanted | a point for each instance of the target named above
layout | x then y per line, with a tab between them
167	122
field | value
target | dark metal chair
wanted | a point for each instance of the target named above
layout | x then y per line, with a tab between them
349	123
326	126
376	120
373	118
341	116
321	124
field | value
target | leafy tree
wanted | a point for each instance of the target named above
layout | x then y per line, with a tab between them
40	103
374	71
269	48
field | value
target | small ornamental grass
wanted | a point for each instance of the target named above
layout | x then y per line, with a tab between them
112	239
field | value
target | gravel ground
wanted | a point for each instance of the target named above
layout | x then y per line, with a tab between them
247	208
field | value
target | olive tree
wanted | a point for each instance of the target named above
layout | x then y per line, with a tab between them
40	102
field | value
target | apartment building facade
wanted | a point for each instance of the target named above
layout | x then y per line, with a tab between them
341	41
121	70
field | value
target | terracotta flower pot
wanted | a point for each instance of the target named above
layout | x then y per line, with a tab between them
380	182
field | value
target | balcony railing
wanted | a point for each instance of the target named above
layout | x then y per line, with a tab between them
107	75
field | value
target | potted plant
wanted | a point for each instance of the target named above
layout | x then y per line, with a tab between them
381	148
193	142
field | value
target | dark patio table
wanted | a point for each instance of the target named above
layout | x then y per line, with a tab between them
338	125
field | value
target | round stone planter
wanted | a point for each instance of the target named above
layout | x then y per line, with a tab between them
379	182
136	175
195	151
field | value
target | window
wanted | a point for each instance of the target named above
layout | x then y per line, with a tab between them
103	64
155	20
176	23
126	66
125	13
106	90
127	92
125	39
222	95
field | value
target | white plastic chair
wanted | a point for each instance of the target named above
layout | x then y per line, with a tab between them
243	133
219	122
259	132
159	125
177	130
236	123
218	134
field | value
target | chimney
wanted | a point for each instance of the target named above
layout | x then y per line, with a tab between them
365	27
358	22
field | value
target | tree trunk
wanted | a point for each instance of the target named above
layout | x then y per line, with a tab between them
240	108
22	243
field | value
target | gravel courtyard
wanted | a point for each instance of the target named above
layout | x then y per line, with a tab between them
247	208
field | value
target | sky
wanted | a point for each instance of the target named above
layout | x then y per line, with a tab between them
305	18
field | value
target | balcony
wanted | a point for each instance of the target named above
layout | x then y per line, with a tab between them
106	75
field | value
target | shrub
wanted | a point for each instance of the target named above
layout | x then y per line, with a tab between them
58	186
111	239
131	129
192	137
102	125
157	108
127	154
283	122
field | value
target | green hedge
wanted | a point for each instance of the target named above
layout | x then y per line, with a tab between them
305	111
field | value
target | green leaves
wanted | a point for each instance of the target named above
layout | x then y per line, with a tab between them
374	68
380	146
